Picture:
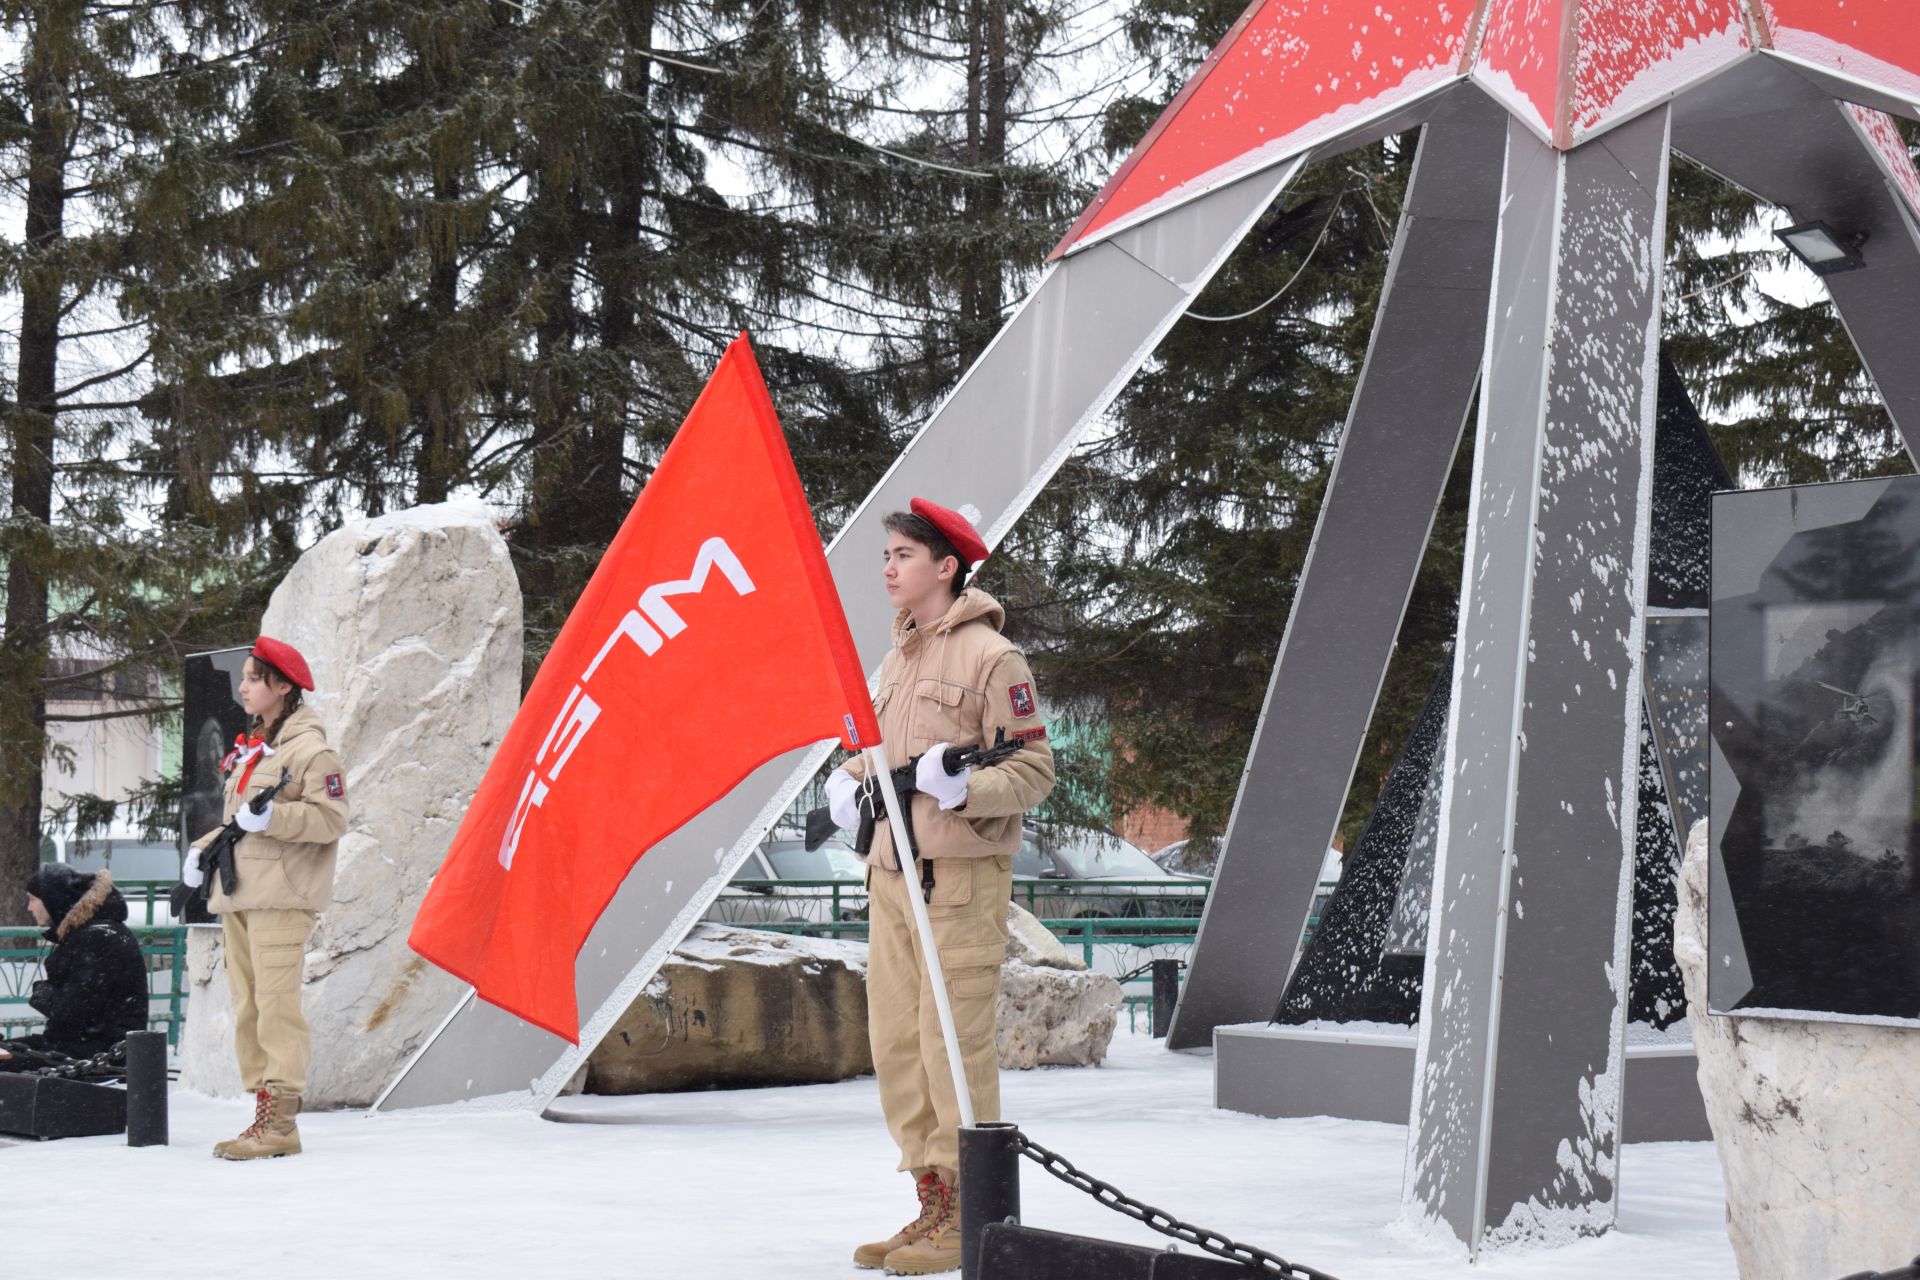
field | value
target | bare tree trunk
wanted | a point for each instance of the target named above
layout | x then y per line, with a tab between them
989	91
31	428
433	461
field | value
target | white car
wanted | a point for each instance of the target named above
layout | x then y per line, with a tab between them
757	895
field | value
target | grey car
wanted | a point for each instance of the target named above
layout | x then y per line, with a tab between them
1085	857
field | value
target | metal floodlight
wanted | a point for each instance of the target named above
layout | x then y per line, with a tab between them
1822	248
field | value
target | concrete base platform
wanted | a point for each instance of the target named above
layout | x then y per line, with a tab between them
1365	1072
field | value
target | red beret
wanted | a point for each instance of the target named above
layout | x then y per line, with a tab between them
285	659
956	528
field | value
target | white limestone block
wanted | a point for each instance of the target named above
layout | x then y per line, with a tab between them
1030	942
1817	1124
411	623
1054	1017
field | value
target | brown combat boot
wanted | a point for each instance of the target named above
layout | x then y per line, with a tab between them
927	1188
272	1135
262	1108
939	1249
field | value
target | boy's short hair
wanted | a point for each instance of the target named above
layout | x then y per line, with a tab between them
922	531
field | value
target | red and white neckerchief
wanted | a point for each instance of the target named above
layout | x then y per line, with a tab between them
246	753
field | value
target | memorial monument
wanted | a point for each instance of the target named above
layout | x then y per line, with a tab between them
1527	271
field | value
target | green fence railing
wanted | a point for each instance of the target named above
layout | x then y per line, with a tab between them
23	951
1147	917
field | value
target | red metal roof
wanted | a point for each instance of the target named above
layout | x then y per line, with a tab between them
1296	73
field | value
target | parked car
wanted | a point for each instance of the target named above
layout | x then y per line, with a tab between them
1079	854
1195	856
756	896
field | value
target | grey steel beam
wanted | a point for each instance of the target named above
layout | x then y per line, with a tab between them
1834	83
1514	1131
1404	427
1767	130
1087	326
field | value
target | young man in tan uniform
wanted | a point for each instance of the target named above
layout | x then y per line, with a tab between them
950	679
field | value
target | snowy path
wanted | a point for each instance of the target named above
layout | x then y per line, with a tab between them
778	1183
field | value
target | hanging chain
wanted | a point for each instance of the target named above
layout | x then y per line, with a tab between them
108	1064
1160	1220
1142	970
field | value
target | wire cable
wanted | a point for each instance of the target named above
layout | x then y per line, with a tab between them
1291	280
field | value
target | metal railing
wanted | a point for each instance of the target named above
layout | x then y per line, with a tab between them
1141	915
163	948
837	908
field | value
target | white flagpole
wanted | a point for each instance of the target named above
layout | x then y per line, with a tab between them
878	769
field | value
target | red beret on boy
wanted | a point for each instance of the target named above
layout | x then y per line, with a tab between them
956	528
285	659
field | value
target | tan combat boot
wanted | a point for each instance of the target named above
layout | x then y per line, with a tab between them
937	1250
275	1135
262	1108
927	1187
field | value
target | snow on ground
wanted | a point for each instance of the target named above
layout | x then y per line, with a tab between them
779	1183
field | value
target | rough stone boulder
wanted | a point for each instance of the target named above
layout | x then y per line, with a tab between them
1054	1017
740	1008
737	1008
1032	943
1053	1012
1817	1124
411	623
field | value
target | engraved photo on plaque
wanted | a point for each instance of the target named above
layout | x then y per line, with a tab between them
1814	897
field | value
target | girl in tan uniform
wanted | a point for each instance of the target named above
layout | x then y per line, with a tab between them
950	679
285	865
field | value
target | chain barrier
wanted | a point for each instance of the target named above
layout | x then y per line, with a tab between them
109	1064
1142	970
1159	1220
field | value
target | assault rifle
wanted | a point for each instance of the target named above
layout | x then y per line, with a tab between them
217	859
906	784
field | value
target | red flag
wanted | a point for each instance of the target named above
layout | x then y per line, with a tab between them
710	640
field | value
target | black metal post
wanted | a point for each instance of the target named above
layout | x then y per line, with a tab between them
146	1089
1166	994
989	1186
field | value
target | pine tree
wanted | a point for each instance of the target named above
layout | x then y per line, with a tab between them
94	592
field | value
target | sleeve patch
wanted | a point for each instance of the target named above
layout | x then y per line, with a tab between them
1021	696
336	786
1034	734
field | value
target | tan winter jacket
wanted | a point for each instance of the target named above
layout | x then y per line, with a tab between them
957	682
290	864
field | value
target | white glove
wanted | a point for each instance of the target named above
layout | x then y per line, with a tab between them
950	789
190	873
843	798
251	821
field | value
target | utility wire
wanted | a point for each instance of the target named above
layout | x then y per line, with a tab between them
1242	315
1717	285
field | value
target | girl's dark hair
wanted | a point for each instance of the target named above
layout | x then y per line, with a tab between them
287	708
922	531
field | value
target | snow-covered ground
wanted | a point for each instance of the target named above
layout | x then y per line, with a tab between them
772	1182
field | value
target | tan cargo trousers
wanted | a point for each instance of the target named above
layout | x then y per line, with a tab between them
266	959
968	910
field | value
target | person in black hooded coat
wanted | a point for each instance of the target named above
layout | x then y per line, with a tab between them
95	990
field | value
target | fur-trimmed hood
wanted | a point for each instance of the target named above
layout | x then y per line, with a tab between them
95	989
76	899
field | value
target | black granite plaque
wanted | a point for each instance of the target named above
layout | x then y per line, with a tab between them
211	717
1815	901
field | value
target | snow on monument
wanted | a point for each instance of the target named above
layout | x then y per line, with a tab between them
1527	269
